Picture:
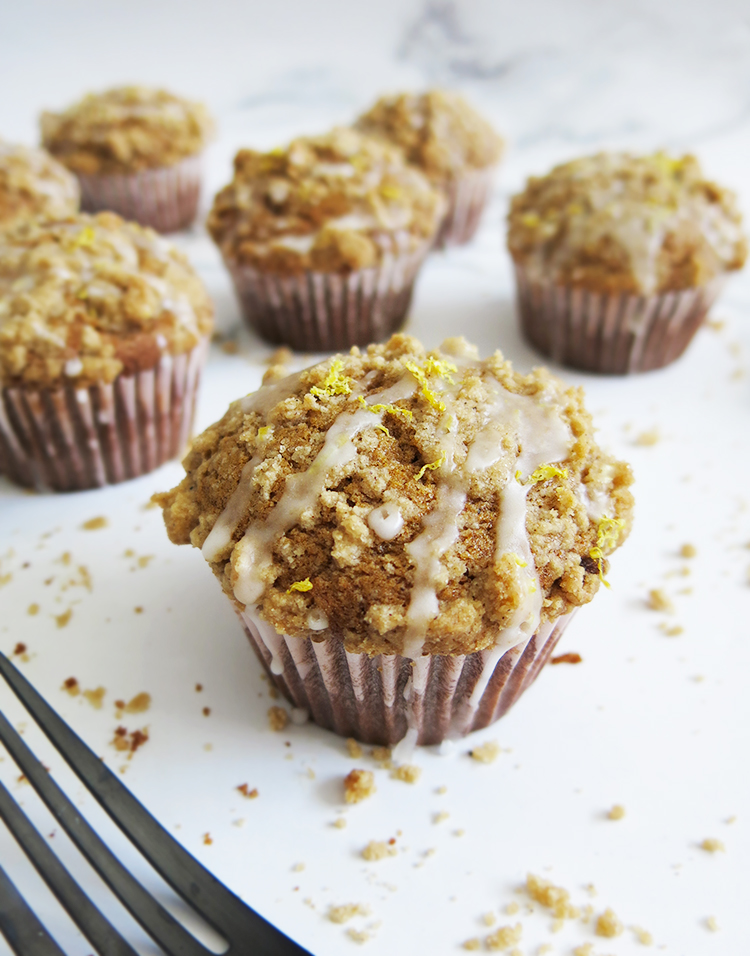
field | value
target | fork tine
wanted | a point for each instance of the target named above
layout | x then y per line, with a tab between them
160	924
20	925
102	936
244	929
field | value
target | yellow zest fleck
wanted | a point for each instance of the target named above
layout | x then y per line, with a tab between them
519	561
432	466
264	432
530	220
421	376
82	293
85	237
391	409
383	429
542	473
440	367
305	585
335	382
390	192
607	533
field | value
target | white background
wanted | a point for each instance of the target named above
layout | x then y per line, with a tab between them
658	724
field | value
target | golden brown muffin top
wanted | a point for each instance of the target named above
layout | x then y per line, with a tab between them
86	298
615	222
332	203
125	130
404	501
33	184
437	131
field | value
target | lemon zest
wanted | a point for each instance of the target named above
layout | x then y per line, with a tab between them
440	367
431	466
421	376
392	409
335	382
390	192
264	432
83	293
607	534
542	473
382	428
305	585
85	237
519	561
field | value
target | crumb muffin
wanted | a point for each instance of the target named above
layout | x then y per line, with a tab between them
34	185
618	258
324	238
445	138
103	332
404	534
136	151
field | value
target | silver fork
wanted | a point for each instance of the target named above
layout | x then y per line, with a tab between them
245	931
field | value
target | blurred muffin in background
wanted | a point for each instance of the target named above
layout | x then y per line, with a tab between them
324	238
136	151
618	258
34	185
104	328
455	147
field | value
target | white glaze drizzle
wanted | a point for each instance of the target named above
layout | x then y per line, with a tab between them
386	521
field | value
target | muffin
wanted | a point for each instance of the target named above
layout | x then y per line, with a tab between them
136	151
618	258
455	147
404	535
34	185
103	332
324	239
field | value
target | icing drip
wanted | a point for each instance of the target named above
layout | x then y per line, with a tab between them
386	521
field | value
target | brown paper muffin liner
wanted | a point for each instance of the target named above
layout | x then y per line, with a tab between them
378	700
69	439
165	199
467	197
612	333
324	312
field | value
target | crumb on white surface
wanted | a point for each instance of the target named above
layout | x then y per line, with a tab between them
347	911
407	772
607	924
486	752
358	785
712	845
378	850
616	812
659	601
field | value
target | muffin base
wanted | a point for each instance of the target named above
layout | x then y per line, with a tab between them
616	334
70	439
165	199
378	700
468	196
322	312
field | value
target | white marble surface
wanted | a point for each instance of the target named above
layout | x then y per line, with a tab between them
656	723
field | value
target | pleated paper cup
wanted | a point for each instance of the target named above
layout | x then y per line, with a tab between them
468	196
615	333
166	199
379	700
325	312
69	439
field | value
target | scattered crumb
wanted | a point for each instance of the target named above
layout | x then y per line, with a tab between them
278	718
617	812
239	822
19	649
712	923
230	347
408	772
206	711
570	658
33	610
688	551
381	754
282	356
472	944
138	609
712	845
198	688
544	948
125	740
95	697
441	790
71	686
207	839
298	867
591	889
62	619
732	819
459	833
659	601
94	524
145	559
245	790
557	924
339	823
587	912
347	911
642	935
512	908
672	630
648	438
553	897
504	937
65	558
378	850
489	919
585	949
486	752
358	785
608	924
716	325
353	748
440	816
138	705
5	579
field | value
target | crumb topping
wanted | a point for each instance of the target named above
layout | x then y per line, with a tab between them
332	203
438	131
297	485
615	222
358	785
125	130
85	299
34	185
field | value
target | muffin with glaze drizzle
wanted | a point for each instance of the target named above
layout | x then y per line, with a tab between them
404	534
324	238
618	258
34	185
104	327
445	138
136	151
